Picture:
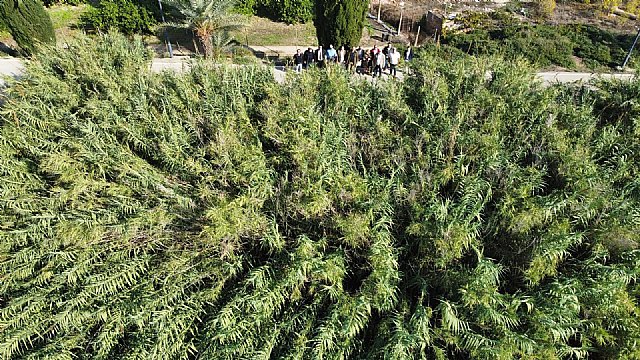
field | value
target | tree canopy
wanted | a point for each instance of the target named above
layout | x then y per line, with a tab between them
340	22
28	23
218	214
210	20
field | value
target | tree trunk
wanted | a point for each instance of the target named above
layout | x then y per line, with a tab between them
205	41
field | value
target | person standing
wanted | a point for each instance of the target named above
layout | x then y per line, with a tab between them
308	58
352	60
380	61
385	51
319	58
408	54
298	59
374	51
373	56
342	56
331	54
364	63
394	59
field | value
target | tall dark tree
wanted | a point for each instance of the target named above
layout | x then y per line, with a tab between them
28	23
340	22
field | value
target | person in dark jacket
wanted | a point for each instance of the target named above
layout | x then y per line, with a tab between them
298	59
408	54
385	51
352	60
307	58
319	56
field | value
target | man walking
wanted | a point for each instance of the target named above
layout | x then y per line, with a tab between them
308	58
385	51
320	56
331	54
380	61
394	59
297	61
408	54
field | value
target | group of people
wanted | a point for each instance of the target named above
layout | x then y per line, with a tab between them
358	60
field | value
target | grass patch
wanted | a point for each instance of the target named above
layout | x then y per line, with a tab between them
263	32
4	35
66	20
66	16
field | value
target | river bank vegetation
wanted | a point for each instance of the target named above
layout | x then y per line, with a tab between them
218	214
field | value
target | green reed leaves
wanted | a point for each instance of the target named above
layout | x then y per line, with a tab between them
466	212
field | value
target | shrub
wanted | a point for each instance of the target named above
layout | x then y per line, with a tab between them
545	45
288	11
126	16
49	3
473	20
246	7
28	23
340	22
544	8
597	47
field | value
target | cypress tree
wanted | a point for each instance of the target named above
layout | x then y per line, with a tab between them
340	22
28	23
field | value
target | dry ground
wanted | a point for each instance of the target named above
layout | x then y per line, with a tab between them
566	12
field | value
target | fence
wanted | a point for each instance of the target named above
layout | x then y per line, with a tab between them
411	16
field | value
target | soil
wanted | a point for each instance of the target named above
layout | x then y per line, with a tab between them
592	14
565	12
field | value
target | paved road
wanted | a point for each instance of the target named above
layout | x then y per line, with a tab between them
568	77
10	67
13	67
546	77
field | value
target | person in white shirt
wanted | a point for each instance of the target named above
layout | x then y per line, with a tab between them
380	61
342	55
394	59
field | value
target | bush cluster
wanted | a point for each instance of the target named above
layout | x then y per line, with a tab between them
127	16
49	3
217	214
288	11
545	45
544	8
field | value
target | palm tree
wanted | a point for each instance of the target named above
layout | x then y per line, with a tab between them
208	18
221	42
